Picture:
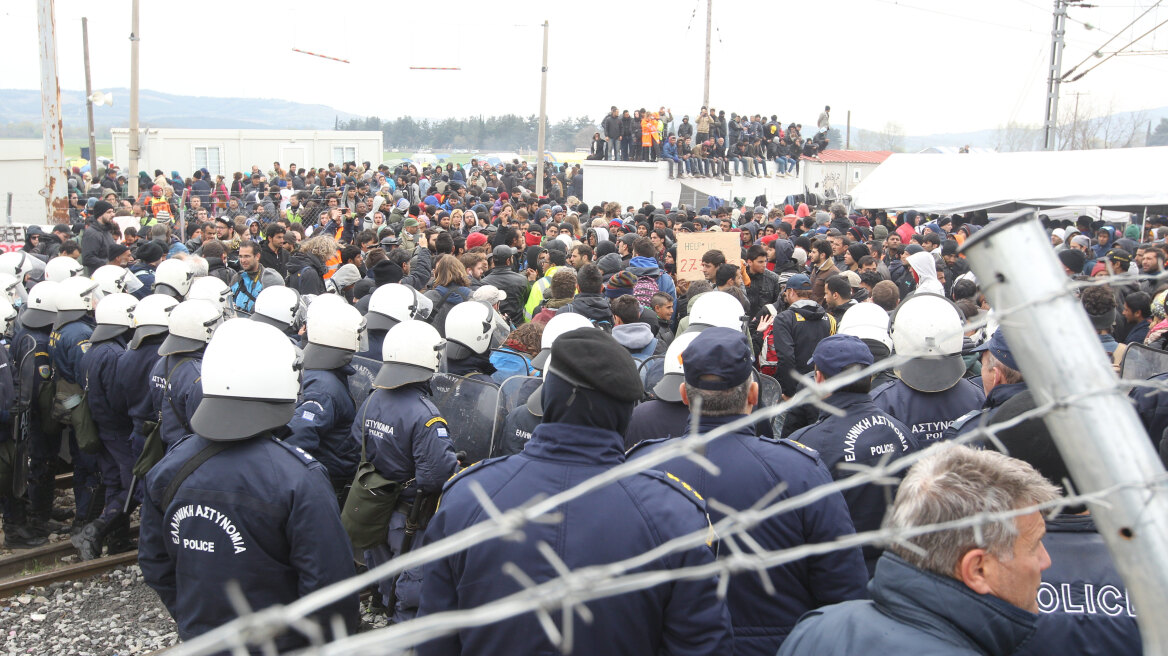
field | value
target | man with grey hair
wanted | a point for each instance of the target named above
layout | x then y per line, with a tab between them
962	590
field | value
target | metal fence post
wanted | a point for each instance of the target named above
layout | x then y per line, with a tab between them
1099	435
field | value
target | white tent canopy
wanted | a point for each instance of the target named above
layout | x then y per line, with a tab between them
1121	178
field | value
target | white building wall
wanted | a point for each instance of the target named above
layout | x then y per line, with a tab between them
631	183
22	173
227	151
833	179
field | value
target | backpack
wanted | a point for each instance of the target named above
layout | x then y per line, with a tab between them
644	289
442	307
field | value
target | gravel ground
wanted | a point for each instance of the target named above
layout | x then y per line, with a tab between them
112	614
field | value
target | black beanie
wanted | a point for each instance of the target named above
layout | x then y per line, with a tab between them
1073	259
101	207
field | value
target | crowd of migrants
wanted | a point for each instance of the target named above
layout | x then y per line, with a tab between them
206	379
711	145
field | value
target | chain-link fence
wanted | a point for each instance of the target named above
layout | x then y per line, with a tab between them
1106	449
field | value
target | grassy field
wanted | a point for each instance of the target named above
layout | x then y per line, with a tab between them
73	148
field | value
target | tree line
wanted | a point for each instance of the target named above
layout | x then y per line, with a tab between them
507	132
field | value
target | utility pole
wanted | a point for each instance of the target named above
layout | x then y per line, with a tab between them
132	167
709	33
1074	131
56	201
542	115
1054	74
88	93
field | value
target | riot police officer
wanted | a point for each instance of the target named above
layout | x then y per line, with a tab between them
931	391
173	278
98	366
210	288
75	300
389	305
325	411
471	333
30	351
589	390
174	381
406	438
863	434
61	268
230	503
283	308
665	415
151	322
1000	380
718	369
17	532
521	421
113	279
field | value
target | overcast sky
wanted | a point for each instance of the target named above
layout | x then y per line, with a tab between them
930	66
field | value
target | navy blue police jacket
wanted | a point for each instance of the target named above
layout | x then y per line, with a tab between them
7	391
914	612
261	513
133	381
1152	407
864	435
518	428
177	401
406	438
751	468
614	523
657	419
928	414
322	421
994	400
1083	604
67	345
376	341
99	375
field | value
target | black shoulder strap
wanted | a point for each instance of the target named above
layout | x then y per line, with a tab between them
170	398
442	301
189	468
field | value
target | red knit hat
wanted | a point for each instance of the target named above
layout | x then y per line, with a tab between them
475	239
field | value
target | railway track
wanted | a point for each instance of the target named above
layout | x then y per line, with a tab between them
47	564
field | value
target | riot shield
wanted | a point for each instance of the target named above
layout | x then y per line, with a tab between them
651	371
20	464
513	393
1142	362
26	373
771	394
361	382
468	406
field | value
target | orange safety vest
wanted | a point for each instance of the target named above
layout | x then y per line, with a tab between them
333	263
156	204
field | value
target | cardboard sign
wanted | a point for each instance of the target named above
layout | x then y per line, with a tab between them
691	246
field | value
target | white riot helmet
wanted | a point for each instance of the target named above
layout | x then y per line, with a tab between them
173	278
210	288
75	298
558	325
470	330
191	324
928	329
867	321
716	309
20	264
62	267
113	279
115	315
281	307
336	331
151	317
669	387
412	353
240	402
41	310
12	289
8	316
395	302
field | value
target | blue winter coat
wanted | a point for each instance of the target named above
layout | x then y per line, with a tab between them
99	369
261	514
616	522
751	468
132	383
406	438
322	421
913	612
67	345
657	419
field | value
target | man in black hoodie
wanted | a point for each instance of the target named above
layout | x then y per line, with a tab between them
511	283
590	302
797	330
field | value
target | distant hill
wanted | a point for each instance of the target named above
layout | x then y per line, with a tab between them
156	109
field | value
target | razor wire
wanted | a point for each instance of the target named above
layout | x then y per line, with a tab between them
571	589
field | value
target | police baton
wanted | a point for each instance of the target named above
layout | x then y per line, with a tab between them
130	495
420	514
